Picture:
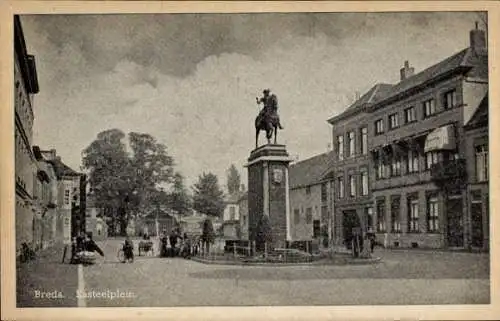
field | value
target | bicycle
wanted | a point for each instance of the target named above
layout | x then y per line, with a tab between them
122	258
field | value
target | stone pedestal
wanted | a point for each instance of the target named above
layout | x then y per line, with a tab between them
268	192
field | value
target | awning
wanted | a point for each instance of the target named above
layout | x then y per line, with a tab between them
442	138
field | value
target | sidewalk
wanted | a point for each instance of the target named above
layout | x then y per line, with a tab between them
46	282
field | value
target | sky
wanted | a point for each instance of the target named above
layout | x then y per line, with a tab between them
190	80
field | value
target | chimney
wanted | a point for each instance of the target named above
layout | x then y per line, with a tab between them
406	71
477	38
52	154
358	95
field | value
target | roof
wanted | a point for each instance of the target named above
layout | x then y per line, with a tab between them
233	198
243	197
62	169
374	94
480	116
468	60
463	61
309	172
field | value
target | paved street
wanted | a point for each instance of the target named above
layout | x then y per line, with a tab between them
404	277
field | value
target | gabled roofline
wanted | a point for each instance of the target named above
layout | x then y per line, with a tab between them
408	92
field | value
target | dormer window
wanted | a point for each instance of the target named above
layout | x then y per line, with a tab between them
450	99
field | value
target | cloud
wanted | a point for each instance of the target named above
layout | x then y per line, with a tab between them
192	83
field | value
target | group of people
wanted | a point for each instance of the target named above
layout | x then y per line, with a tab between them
175	244
362	244
83	249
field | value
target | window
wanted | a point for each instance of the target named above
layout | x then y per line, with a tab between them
352	185
476	218
380	169
316	228
66	197
429	107
410	115
482	163
381	215
393	121
431	158
364	140
395	221
396	167
296	216
340	147
232	213
324	192
364	182
351	140
308	190
450	99
379	126
309	215
432	214
412	162
413	214
340	185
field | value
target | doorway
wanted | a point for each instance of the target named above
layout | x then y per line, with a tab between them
455	222
350	221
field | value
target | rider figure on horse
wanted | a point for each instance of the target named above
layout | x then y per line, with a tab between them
270	105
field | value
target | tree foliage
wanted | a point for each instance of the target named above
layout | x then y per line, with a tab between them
126	183
208	198
208	233
179	198
233	180
264	231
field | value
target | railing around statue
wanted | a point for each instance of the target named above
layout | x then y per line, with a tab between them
245	254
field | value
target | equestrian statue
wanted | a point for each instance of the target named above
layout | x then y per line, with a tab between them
268	118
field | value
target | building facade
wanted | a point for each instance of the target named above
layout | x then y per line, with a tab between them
25	88
417	145
311	201
477	147
243	207
70	204
350	173
417	155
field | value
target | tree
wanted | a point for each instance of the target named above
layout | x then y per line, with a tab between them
179	199
107	162
264	232
208	234
125	183
233	180
150	166
208	198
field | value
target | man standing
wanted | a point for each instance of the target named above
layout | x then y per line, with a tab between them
270	102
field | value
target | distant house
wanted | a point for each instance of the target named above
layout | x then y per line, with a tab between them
94	223
243	207
231	217
192	225
310	199
147	223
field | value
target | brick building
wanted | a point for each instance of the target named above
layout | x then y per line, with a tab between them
311	201
477	146
70	203
26	86
416	156
350	171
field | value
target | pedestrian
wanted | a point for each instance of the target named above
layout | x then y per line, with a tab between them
91	246
128	249
370	235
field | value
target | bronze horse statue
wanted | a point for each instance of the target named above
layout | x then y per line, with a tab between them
269	122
